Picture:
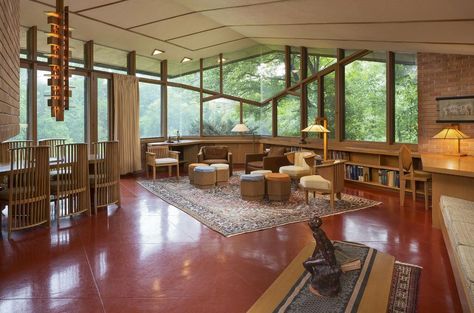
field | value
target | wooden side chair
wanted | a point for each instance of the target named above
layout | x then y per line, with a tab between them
408	173
27	195
105	182
161	156
6	146
329	180
70	186
52	143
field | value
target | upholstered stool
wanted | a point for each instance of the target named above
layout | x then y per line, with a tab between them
204	176
191	168
260	172
278	186
222	173
252	186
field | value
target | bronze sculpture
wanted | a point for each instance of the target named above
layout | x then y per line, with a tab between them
322	265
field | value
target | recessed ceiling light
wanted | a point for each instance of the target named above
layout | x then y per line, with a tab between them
185	59
223	60
157	51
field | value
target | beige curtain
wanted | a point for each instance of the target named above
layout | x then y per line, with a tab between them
126	128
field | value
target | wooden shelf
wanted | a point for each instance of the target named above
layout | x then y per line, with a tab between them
369	183
383	167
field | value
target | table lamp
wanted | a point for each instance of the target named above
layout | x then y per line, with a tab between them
242	128
452	132
318	128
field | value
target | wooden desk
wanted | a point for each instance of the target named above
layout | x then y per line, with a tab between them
452	176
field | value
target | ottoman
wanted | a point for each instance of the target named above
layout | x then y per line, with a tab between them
222	173
191	168
261	172
204	177
278	186
252	187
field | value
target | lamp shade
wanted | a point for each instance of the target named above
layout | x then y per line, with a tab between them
316	128
240	128
450	133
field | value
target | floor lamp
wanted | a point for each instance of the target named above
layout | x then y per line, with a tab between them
242	128
318	128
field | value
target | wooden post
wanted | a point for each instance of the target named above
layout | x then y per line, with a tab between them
32	83
89	55
274	117
340	97
164	98
201	95
287	66
221	78
390	97
132	63
304	94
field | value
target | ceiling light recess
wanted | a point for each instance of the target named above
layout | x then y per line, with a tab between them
157	51
186	59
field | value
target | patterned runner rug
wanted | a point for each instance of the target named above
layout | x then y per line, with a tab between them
222	209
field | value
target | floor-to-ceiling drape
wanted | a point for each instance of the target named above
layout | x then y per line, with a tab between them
126	122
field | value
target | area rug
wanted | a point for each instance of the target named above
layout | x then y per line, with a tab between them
380	285
222	209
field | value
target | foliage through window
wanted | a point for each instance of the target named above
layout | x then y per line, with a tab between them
150	110
330	102
406	98
102	109
24	107
289	116
183	112
220	116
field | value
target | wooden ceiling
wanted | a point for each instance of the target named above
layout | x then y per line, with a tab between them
201	28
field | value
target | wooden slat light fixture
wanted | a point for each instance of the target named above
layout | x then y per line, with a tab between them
58	60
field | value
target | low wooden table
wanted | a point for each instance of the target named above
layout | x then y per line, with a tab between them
451	176
375	297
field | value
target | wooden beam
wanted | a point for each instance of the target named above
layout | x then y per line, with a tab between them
132	63
355	56
32	43
201	96
164	98
274	118
390	81
89	55
287	66
340	97
304	93
221	75
210	98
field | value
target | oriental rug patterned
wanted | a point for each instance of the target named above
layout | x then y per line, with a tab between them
290	291
222	209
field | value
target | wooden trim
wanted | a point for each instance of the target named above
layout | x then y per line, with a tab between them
32	43
89	55
287	66
164	99
390	106
132	63
355	56
340	97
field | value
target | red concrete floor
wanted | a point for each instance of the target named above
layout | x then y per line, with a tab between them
148	256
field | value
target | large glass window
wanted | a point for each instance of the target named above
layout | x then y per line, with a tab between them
256	73
220	116
295	64
23	42
102	109
24	107
211	73
406	98
319	59
329	95
365	102
73	127
148	67
183	112
289	116
150	110
265	127
312	92
186	73
110	60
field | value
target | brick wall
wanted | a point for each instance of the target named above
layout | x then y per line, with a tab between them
442	75
9	68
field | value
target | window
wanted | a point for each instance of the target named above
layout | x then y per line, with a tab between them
148	67
102	109
295	64
73	127
220	116
24	107
211	73
184	73
150	110
289	116
110	60
256	73
319	59
265	127
365	99
23	42
183	112
406	98
312	91
251	117
330	102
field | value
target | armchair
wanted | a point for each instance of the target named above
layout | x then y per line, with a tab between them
215	154
161	156
330	180
271	160
299	167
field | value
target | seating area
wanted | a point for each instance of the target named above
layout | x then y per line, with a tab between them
236	156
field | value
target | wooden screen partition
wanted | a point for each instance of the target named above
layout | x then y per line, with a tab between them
52	143
70	186
28	188
106	178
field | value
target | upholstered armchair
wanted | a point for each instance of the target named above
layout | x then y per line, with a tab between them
215	154
329	179
161	156
271	160
299	167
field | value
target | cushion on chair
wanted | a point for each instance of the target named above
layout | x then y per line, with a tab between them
276	151
215	161
294	170
260	172
162	161
204	169
256	164
220	166
463	233
214	153
315	182
252	177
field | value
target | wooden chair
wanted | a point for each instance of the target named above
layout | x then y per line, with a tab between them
27	195
105	182
6	146
161	156
329	179
408	173
52	143
70	186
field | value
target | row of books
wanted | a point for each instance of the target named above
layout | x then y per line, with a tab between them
389	178
338	155
357	172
